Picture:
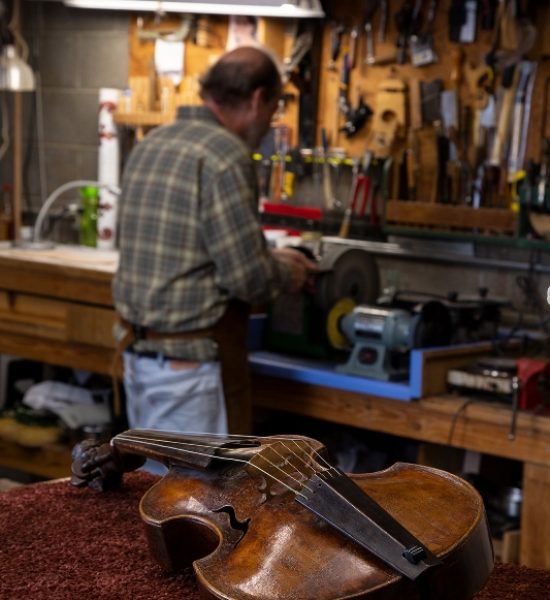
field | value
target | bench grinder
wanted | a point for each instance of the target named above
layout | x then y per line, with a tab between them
382	337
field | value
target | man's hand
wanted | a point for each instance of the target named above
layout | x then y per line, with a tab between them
301	268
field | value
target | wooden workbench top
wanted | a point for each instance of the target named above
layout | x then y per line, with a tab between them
77	257
67	272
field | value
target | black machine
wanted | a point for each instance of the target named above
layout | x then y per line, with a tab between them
473	318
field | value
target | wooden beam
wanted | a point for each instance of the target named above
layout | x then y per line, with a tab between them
481	427
17	141
17	166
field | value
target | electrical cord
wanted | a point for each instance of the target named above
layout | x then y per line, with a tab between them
456	415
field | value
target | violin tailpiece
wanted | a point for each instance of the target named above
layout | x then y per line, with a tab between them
340	502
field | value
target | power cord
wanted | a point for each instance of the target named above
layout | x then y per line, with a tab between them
456	415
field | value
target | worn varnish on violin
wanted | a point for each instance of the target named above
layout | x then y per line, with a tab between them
271	519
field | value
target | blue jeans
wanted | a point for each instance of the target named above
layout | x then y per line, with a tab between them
159	396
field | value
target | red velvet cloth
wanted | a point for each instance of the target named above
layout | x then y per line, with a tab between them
58	542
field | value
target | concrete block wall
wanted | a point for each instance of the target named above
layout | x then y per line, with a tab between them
74	53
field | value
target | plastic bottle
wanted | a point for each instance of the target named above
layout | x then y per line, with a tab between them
88	222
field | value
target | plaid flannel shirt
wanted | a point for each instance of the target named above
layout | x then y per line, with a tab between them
189	234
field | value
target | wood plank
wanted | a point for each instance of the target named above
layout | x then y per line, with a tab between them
52	461
58	352
91	325
450	217
50	279
535	517
482	427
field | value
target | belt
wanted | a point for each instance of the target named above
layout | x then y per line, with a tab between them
150	354
176	363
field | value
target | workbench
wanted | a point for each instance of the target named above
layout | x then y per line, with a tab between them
56	307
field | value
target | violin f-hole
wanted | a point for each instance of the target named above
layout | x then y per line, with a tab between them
233	521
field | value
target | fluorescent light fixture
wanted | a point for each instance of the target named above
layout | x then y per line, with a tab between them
15	73
259	8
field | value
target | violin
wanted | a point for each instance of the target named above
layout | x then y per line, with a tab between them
270	518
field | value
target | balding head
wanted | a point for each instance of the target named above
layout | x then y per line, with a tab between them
238	74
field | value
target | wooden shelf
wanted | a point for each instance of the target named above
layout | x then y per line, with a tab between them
51	461
143	119
449	217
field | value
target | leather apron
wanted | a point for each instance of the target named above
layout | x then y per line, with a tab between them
230	334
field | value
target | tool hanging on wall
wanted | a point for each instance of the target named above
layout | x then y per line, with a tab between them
383	24
412	151
350	208
389	118
479	79
301	46
488	9
367	185
356	118
370	55
328	193
367	26
352	52
513	38
422	42
336	34
306	77
503	127
280	190
456	20
520	118
544	172
407	23
343	102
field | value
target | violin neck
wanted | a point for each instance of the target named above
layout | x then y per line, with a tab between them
196	451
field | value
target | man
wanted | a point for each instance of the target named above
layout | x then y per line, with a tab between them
193	257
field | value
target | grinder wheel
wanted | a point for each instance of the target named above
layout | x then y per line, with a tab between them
346	273
334	333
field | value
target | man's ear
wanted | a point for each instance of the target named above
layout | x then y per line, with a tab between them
256	99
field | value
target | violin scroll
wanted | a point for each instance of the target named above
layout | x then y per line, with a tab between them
99	466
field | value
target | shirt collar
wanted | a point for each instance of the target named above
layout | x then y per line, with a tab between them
196	112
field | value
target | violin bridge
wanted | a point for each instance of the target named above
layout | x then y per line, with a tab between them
285	465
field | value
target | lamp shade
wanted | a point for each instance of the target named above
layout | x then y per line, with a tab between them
15	73
259	8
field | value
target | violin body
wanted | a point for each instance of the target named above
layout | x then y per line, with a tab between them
249	539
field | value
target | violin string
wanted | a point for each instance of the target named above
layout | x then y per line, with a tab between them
293	453
312	465
328	469
328	466
240	437
282	439
161	443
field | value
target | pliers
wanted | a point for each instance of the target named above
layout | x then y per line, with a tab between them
361	188
368	181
